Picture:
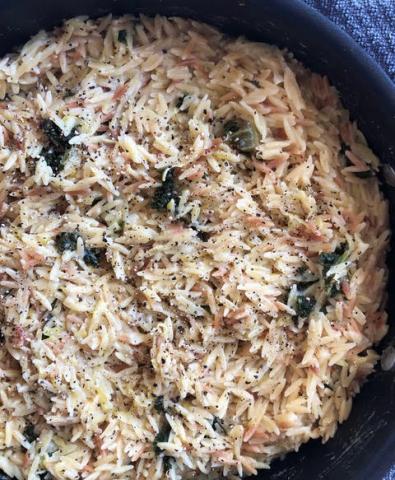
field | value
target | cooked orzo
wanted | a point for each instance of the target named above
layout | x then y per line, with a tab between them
192	254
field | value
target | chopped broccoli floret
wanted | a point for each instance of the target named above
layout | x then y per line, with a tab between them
54	159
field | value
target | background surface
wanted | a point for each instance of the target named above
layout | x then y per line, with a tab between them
370	22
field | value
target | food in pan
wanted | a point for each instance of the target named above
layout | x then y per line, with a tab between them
192	254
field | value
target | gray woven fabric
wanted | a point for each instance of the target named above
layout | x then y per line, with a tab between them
370	22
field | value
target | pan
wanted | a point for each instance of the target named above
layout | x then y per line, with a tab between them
364	446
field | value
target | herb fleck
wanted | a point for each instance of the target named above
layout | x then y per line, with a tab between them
57	145
45	476
4	476
304	306
201	235
167	462
218	425
327	260
122	36
158	404
166	191
180	101
93	256
333	287
241	134
162	436
66	241
29	433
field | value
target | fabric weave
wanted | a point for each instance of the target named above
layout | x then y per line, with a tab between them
370	22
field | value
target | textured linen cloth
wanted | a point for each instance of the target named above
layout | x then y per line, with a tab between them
370	22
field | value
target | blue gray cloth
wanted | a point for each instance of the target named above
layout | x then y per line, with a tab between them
370	22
